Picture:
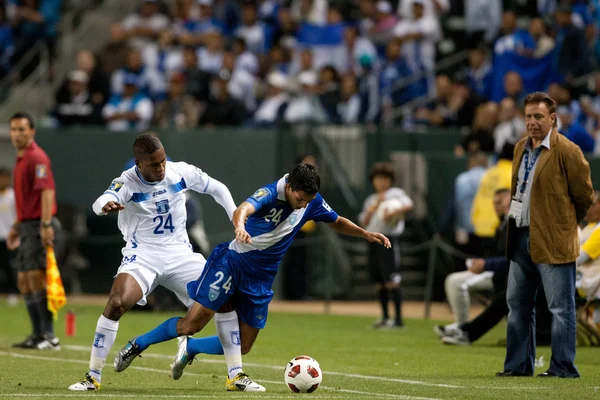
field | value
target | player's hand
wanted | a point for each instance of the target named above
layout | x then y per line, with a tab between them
13	241
477	265
376	237
242	236
47	235
112	206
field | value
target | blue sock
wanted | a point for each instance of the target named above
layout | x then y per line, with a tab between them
208	345
165	331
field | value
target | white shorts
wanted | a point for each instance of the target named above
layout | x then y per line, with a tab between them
172	270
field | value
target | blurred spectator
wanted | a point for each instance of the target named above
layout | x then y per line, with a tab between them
396	79
195	26
287	28
310	11
454	105
481	137
304	106
197	81
368	90
482	21
96	85
383	24
210	57
303	63
350	105
34	22
484	219
590	105
255	33
418	36
329	92
513	87
544	44
465	188
113	54
432	8
244	58
511	127
143	27
572	53
278	60
74	104
179	110
129	110
7	218
222	108
150	81
270	111
242	84
356	46
479	73
511	39
7	44
574	131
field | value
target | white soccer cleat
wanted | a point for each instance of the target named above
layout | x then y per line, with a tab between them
126	355
85	385
182	358
242	383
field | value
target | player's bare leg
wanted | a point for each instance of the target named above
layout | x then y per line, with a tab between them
124	294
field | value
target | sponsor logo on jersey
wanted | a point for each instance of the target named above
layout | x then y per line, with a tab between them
259	194
115	186
162	207
159	192
41	171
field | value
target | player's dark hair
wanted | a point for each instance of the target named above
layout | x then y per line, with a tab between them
507	152
146	144
26	115
305	177
382	168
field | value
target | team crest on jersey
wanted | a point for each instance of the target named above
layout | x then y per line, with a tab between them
293	218
115	186
41	171
259	194
162	207
213	294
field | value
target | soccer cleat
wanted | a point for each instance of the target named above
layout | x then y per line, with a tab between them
445	330
380	324
242	383
85	385
30	342
49	343
126	355
182	358
459	337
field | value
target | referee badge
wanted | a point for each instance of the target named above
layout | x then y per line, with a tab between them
41	171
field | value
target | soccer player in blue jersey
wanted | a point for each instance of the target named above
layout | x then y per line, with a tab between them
238	275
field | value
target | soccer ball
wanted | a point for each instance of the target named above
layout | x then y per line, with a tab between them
303	374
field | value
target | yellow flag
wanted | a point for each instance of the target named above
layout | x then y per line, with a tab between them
55	291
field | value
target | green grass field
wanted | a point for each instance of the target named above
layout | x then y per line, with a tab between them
357	363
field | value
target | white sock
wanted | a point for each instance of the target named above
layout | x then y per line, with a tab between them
104	338
228	329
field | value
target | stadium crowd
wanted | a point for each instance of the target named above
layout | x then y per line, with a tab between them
186	63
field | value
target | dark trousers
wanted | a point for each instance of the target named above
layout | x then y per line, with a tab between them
8	273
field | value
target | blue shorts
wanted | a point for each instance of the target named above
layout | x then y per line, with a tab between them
222	279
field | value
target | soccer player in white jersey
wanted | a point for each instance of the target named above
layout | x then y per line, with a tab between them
151	199
265	225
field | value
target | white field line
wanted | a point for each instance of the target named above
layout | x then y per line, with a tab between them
162	371
281	368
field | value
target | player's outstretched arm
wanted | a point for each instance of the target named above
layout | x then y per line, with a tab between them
347	227
106	204
239	222
222	196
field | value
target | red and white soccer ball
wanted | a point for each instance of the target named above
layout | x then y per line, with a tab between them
303	374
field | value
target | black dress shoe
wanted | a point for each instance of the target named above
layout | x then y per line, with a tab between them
512	374
551	375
